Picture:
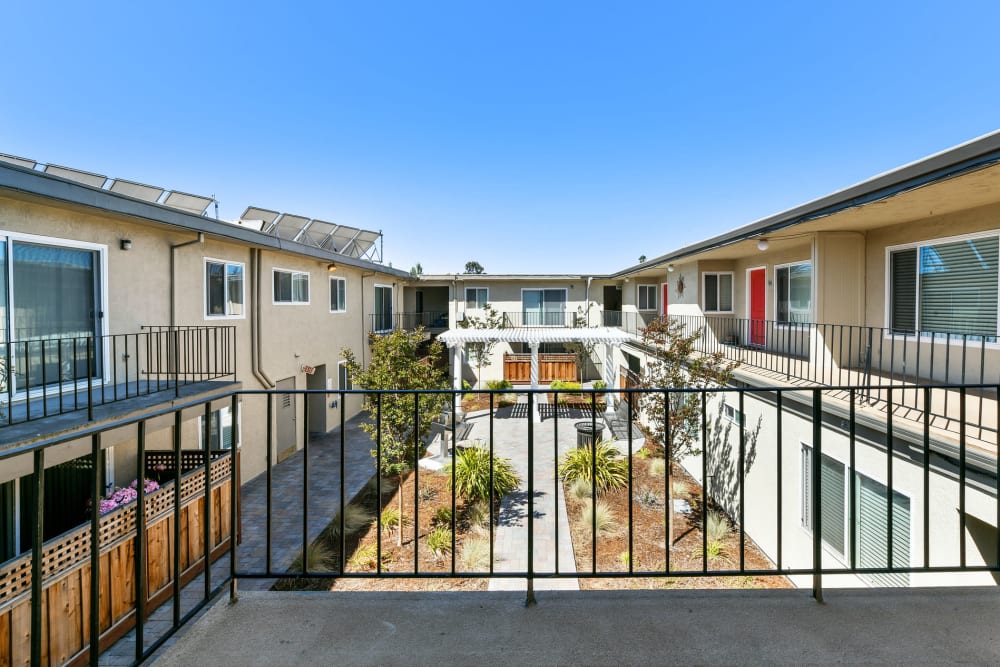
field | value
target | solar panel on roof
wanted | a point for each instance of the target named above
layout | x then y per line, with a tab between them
136	190
85	177
289	226
19	161
317	233
186	202
254	213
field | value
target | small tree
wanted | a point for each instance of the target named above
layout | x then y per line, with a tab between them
416	270
642	258
673	363
584	350
474	267
480	353
396	365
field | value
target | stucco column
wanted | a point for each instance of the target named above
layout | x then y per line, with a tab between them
609	375
536	414
457	352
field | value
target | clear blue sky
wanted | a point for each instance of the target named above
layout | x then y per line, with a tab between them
531	137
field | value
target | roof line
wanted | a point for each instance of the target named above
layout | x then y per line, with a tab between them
32	182
970	156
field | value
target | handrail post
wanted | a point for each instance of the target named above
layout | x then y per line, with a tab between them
817	521
177	362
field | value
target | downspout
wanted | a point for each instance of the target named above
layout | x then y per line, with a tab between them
364	341
173	276
255	335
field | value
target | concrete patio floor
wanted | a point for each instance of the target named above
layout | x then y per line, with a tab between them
596	627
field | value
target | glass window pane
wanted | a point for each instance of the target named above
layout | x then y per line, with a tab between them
903	290
300	287
781	292
958	287
800	293
726	292
711	293
531	304
234	281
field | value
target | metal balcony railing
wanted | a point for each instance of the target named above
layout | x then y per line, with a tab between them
519	319
385	322
810	525
41	377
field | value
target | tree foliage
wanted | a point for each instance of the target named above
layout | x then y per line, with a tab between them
396	365
480	353
474	267
673	362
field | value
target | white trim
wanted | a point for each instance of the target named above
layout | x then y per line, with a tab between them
812	292
101	271
204	288
293	273
886	314
718	292
330	301
465	301
656	298
392	304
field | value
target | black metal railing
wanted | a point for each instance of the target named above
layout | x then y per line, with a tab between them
517	319
630	321
809	526
384	322
48	376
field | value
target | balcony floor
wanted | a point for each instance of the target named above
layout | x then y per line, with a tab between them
636	627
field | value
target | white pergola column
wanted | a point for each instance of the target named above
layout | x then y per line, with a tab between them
609	375
457	352
536	413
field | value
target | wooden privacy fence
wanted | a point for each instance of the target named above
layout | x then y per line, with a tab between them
66	568
551	367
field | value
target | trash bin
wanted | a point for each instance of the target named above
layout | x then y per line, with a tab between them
587	433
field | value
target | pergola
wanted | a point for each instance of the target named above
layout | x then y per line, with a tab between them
456	340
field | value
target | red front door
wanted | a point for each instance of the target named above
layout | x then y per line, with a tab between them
666	291
758	306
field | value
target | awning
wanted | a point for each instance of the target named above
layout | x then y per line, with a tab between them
536	335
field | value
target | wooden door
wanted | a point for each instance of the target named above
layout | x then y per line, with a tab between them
758	306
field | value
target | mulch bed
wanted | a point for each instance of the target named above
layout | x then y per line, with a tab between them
649	537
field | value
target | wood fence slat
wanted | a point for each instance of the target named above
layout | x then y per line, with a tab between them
20	633
5	649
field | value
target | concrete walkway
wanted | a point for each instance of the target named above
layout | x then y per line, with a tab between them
939	626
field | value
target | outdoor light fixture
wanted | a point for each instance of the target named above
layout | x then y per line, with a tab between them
670	268
763	244
331	267
126	244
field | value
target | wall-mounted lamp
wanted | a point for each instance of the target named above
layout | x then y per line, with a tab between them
670	268
331	267
125	244
763	244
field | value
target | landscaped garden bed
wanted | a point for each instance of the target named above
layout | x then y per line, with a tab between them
649	530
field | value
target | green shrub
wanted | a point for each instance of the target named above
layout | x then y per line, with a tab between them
680	488
427	493
580	488
600	384
625	558
318	556
478	515
466	386
564	385
356	518
717	527
604	519
442	516
472	475
475	554
390	519
439	541
715	550
658	468
603	459
647	498
365	558
499	385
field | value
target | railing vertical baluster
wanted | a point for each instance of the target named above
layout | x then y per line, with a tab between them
305	485
593	491
9	380
27	383
742	479
668	510
927	478
530	595
234	497
962	471
37	542
704	482
852	511
269	478
45	393
416	485
378	482
779	394
947	369
139	563
343	482
492	499
888	476
982	380
817	515
454	452
177	362
114	366
177	521
555	478
207	523
631	496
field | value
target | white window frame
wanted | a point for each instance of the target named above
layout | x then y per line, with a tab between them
343	372
486	301
656	297
718	293
812	293
392	305
334	279
102	273
243	287
956	339
274	297
731	413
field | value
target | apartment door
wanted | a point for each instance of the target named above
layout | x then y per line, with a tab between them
757	289
317	402
285	418
665	290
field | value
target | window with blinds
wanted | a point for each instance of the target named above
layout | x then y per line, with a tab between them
946	288
832	493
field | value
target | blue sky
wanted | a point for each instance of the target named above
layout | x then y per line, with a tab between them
531	137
